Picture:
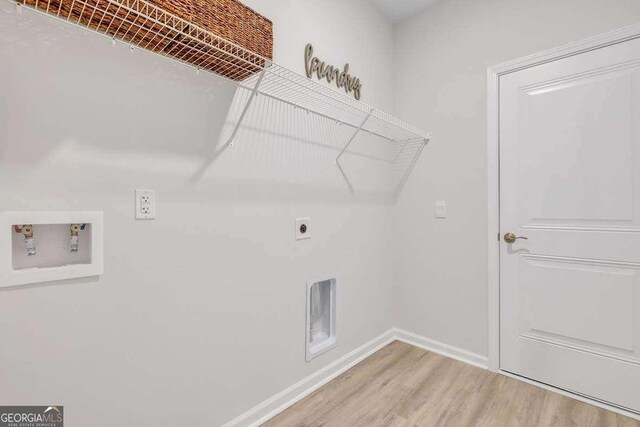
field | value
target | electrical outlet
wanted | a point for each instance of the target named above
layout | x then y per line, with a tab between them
145	204
303	228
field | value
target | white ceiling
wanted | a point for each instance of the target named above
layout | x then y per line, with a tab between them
399	10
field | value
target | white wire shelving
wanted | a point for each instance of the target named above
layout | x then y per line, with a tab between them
144	25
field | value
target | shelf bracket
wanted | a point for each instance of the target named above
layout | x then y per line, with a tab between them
357	131
254	92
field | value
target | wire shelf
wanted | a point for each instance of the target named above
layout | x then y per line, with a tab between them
144	25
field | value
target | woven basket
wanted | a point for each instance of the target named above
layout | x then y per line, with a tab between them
228	19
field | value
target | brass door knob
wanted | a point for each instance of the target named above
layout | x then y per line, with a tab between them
510	237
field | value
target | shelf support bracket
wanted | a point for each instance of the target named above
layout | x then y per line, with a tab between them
357	131
252	96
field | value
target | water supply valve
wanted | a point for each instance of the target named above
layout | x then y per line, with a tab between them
27	231
74	238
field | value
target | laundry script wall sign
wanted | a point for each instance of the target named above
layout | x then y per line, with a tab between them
322	70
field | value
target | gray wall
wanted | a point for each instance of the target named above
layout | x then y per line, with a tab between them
200	314
442	57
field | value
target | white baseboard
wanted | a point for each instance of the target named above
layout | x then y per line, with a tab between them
286	398
442	348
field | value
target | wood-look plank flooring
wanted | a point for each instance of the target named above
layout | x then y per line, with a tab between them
402	385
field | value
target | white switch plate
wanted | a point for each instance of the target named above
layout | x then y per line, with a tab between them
145	204
441	209
303	228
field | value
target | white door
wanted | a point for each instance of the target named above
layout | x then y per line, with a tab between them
570	184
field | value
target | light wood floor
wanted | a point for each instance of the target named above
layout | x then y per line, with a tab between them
402	385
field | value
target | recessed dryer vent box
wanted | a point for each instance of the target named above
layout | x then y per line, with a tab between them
45	246
321	317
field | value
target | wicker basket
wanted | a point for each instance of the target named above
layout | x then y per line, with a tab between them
134	23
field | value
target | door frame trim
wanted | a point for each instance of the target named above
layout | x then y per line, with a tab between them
493	161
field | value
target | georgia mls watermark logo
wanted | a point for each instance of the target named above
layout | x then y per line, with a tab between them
31	416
